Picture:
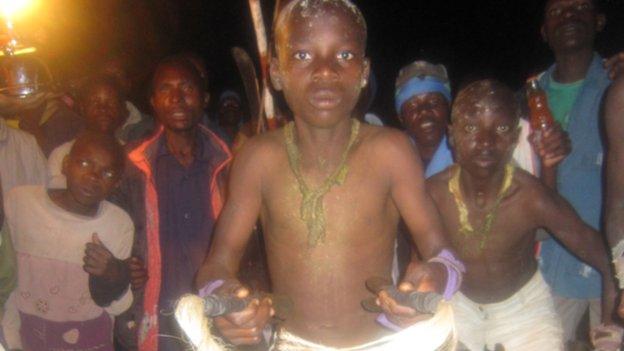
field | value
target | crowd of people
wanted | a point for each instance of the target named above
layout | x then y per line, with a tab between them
111	214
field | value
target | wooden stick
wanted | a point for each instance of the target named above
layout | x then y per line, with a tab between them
248	74
263	51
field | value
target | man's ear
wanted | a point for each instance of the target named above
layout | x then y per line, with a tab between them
449	132
118	182
601	22
517	134
543	33
124	111
518	130
152	103
400	118
274	71
65	165
365	72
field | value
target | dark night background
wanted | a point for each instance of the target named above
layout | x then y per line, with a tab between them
498	38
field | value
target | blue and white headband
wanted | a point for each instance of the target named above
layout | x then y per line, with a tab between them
417	86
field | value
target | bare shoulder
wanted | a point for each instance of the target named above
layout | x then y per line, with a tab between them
437	185
617	86
262	148
387	143
614	102
380	136
526	179
614	124
534	193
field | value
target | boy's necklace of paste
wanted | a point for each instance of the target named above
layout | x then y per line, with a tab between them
465	228
312	199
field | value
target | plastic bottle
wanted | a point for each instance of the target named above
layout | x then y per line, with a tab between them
540	116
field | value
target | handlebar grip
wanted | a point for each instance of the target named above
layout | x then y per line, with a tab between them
215	305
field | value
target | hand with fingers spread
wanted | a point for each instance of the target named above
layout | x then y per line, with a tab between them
615	65
138	272
420	277
244	327
551	145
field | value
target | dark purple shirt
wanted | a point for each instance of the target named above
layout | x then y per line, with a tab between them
186	225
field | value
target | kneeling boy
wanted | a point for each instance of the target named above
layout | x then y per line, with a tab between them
492	209
329	192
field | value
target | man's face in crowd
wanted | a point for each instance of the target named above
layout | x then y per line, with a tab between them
230	112
321	65
570	25
484	136
104	109
178	100
425	116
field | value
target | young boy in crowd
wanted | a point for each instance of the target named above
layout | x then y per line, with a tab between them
329	192
69	245
491	208
101	104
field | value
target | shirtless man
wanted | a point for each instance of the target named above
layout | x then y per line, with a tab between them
614	122
358	181
491	209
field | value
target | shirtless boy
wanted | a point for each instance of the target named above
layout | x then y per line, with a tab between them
358	180
491	210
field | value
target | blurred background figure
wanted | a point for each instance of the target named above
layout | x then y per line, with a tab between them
230	113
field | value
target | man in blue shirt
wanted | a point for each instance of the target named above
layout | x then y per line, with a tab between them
575	84
173	191
423	104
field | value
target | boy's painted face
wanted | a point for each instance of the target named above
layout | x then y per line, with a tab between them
177	100
571	24
321	65
104	110
484	138
92	173
425	116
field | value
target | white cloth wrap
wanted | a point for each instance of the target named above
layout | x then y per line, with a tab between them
434	334
526	321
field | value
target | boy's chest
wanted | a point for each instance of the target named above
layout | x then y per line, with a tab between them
360	200
501	230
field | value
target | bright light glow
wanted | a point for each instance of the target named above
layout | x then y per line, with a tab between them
21	51
10	8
